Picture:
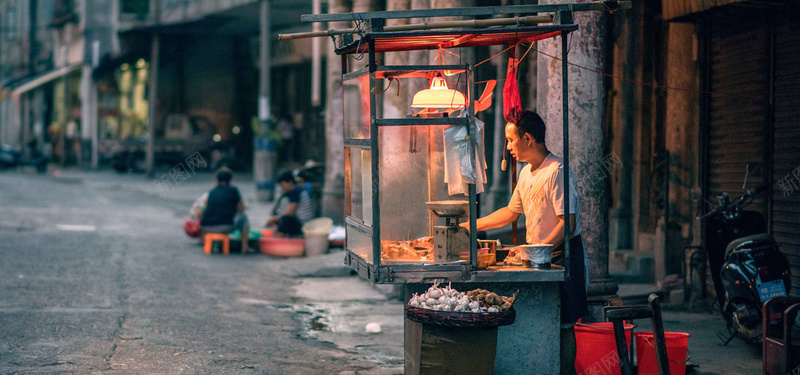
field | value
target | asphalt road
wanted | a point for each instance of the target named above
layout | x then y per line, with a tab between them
98	278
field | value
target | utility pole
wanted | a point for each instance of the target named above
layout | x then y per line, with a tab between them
152	100
264	146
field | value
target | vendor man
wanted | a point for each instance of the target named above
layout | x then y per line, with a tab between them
540	196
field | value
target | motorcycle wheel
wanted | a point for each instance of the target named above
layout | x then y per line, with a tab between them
748	333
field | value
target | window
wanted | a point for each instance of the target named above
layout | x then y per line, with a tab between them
11	23
135	6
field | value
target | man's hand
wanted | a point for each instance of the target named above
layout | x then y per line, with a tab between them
272	221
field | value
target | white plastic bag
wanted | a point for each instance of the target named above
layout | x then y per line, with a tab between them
465	161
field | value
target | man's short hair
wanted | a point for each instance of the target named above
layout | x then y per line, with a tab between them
286	176
224	175
530	122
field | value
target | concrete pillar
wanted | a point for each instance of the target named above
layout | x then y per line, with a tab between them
587	110
316	58
264	148
623	125
89	133
682	133
152	101
333	191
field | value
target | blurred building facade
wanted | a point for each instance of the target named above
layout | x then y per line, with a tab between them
700	95
79	75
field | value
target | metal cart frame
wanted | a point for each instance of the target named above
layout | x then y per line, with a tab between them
375	41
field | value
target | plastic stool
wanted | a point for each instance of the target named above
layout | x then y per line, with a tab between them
211	237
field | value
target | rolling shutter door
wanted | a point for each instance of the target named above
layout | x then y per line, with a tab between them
739	105
785	223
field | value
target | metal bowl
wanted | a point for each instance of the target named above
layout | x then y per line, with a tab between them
449	208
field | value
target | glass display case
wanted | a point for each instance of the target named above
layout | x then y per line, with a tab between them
410	193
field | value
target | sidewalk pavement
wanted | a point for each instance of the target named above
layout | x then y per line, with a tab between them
333	283
707	356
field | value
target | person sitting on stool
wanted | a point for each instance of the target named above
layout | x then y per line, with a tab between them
224	210
293	208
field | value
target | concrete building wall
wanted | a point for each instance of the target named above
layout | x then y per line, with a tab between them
208	81
174	11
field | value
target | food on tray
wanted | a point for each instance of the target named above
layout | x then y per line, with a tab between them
514	257
418	249
449	299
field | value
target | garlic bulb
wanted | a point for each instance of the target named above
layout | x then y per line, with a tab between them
448	299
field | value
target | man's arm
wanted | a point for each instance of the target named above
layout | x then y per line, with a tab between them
291	208
240	206
497	219
556	237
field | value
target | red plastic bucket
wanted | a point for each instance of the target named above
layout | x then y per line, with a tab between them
596	348
677	348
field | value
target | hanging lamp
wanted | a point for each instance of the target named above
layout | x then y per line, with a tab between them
438	96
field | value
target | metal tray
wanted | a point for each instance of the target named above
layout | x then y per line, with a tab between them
449	208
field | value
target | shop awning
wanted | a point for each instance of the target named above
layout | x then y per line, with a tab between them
43	78
677	9
433	39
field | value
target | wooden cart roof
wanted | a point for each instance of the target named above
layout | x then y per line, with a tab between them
435	39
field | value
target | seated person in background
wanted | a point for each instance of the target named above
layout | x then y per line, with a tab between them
293	208
224	210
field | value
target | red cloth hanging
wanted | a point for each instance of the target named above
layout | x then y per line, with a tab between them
512	105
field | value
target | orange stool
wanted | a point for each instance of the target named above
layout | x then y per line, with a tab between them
211	237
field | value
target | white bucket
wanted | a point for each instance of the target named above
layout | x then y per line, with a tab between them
316	234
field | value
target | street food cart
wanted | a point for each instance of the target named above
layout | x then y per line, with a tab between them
402	218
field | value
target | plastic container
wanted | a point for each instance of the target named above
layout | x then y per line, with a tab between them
318	225
316	232
236	235
596	348
281	247
677	349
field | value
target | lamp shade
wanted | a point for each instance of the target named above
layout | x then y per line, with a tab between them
438	96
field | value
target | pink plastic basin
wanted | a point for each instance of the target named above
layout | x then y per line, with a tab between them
281	247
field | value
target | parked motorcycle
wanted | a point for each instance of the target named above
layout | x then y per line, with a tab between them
746	264
11	157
